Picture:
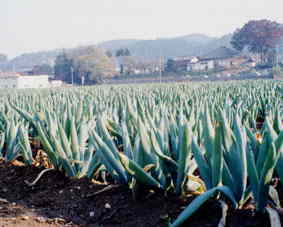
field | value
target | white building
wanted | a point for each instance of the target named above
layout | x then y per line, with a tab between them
15	80
56	83
201	65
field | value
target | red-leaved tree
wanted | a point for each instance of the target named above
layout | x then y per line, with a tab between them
259	36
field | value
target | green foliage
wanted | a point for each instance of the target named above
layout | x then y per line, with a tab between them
123	52
201	138
199	201
63	67
259	36
277	71
87	64
43	69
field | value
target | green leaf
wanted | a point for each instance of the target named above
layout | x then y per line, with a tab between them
75	142
202	164
109	159
217	159
184	158
137	172
200	200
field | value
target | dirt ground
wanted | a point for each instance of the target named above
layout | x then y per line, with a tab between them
60	201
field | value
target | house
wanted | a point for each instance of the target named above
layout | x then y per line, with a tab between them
8	80
56	83
180	64
250	63
132	65
16	80
201	65
222	58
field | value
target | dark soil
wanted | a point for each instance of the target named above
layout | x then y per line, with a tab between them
60	201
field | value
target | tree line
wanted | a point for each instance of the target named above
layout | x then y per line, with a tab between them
93	65
84	65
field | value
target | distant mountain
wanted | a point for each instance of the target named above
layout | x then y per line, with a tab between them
116	44
223	41
166	47
189	45
28	60
220	53
199	39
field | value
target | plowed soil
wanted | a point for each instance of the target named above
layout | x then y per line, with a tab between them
60	201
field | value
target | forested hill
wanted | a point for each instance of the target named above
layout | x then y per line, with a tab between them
167	47
28	60
190	45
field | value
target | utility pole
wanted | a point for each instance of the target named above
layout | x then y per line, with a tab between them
85	73
72	75
83	80
160	65
277	56
160	70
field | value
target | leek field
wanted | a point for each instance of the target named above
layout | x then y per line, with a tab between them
219	141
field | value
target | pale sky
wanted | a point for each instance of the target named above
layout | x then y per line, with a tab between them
32	25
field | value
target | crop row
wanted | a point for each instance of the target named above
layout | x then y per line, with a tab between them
215	140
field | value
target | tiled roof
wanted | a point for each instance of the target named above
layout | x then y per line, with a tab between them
9	74
220	53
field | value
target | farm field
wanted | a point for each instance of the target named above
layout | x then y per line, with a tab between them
195	154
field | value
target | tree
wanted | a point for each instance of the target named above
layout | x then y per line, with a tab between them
63	68
127	52
123	52
121	69
109	54
120	52
170	66
89	64
93	66
258	36
129	65
43	69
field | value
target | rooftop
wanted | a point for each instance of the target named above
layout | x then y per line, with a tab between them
183	58
6	75
9	75
220	53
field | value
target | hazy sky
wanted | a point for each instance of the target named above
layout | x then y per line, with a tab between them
31	25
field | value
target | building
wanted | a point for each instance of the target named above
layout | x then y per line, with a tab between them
201	65
56	83
221	58
8	80
225	58
180	64
16	80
